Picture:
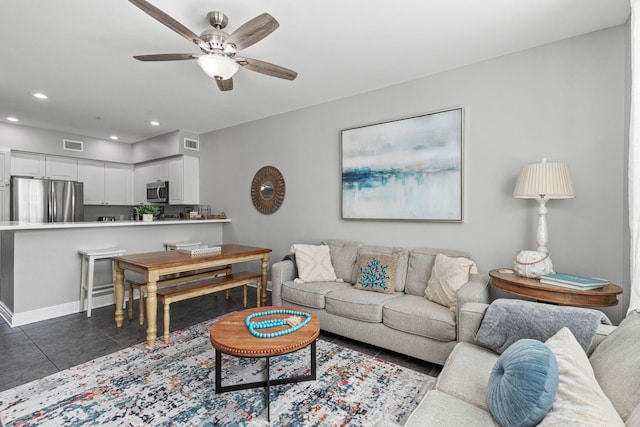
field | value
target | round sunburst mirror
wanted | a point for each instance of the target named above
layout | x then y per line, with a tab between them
267	190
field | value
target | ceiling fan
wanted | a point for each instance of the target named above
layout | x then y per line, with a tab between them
219	48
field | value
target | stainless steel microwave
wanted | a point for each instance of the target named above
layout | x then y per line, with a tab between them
158	192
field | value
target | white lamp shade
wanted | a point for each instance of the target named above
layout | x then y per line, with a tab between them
544	180
218	66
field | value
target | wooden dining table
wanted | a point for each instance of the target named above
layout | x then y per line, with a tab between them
153	265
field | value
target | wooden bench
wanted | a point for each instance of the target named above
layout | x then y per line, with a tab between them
203	287
170	280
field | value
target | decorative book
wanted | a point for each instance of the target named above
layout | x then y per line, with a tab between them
574	281
201	250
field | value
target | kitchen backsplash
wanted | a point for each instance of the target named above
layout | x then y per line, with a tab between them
92	212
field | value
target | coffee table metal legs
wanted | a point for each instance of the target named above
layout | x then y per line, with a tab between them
268	382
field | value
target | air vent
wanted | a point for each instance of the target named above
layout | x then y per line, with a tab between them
192	144
70	145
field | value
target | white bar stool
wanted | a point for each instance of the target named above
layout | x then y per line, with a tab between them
172	246
87	289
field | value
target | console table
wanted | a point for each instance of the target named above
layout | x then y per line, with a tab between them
532	288
155	264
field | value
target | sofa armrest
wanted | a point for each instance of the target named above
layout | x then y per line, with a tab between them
475	290
281	272
472	313
469	320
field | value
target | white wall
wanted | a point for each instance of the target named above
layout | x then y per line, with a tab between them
565	101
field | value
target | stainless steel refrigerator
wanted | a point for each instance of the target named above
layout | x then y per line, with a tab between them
46	200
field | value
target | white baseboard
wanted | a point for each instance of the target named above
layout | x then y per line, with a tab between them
37	315
5	313
46	313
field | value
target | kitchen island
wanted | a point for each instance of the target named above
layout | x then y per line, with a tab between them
40	265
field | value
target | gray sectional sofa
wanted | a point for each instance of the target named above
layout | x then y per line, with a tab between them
460	395
404	321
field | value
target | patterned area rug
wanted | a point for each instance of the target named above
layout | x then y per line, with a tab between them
174	385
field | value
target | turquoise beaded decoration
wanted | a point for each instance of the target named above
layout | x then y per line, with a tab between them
272	323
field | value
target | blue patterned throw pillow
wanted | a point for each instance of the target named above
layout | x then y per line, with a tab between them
377	273
523	384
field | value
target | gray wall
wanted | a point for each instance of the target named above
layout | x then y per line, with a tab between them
169	144
46	141
565	101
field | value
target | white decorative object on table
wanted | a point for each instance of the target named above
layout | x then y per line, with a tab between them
532	264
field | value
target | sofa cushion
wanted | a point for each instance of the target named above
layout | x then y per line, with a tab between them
448	275
419	316
358	305
376	273
580	400
401	271
613	360
420	264
466	373
309	294
523	384
313	263
441	409
343	257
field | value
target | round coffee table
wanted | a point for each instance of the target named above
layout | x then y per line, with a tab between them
231	336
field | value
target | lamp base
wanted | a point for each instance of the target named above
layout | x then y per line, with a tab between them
542	235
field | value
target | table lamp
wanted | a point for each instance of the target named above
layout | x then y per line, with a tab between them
544	181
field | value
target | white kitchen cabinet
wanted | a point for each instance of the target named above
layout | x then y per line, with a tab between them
106	183
61	168
139	186
157	171
118	184
184	181
5	183
91	174
5	203
42	166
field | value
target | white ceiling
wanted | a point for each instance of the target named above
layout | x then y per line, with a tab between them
79	52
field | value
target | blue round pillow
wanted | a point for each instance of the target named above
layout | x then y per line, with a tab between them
523	384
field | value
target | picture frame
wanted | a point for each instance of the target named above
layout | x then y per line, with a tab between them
187	210
406	169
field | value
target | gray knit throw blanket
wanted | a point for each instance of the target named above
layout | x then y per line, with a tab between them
508	320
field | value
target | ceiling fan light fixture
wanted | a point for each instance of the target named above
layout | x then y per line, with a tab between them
218	66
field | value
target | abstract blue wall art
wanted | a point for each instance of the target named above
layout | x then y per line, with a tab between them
409	169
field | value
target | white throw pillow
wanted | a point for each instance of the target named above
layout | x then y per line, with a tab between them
580	400
313	263
448	275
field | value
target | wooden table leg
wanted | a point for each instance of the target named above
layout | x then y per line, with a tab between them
119	290
152	311
263	286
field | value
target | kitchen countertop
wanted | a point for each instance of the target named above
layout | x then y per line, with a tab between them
17	225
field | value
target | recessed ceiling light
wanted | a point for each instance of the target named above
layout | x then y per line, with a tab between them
154	123
13	119
40	95
114	137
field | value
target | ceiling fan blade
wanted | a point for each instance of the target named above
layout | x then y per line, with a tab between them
166	57
167	20
252	31
267	68
225	85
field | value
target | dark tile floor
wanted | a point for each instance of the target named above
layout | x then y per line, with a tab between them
39	349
